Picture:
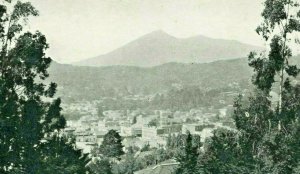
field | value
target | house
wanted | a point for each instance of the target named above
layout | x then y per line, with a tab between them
204	130
133	142
131	131
99	136
222	112
172	129
165	117
157	136
145	119
151	133
125	131
153	136
195	128
69	131
86	147
86	137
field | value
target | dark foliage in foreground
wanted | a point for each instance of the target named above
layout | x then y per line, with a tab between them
267	136
30	118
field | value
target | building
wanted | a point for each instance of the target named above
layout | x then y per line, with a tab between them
165	117
86	137
133	142
204	130
157	136
153	136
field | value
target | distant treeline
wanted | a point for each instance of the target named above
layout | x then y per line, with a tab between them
92	83
175	99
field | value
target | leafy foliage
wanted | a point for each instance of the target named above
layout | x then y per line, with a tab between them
112	145
265	140
29	126
100	166
59	156
188	157
225	152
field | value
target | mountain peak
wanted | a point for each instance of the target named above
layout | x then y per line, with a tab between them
157	34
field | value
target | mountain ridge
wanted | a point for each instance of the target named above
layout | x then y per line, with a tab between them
158	47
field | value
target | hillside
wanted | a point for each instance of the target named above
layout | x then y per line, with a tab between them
158	48
79	82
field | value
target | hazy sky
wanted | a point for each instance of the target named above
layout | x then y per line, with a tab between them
80	29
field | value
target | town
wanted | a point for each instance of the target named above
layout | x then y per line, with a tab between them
139	128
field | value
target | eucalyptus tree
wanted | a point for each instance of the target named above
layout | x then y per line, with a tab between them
270	132
28	122
267	137
281	23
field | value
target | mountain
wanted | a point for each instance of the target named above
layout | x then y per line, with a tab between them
158	48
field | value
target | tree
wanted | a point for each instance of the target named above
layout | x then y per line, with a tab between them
224	154
270	131
266	140
112	145
100	111
134	120
188	157
169	143
281	21
130	163
60	156
100	166
26	119
145	148
153	123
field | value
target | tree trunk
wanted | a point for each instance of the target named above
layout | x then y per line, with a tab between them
280	91
284	59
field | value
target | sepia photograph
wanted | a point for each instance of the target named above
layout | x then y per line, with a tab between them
149	87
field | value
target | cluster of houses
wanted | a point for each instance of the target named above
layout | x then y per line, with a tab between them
137	130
